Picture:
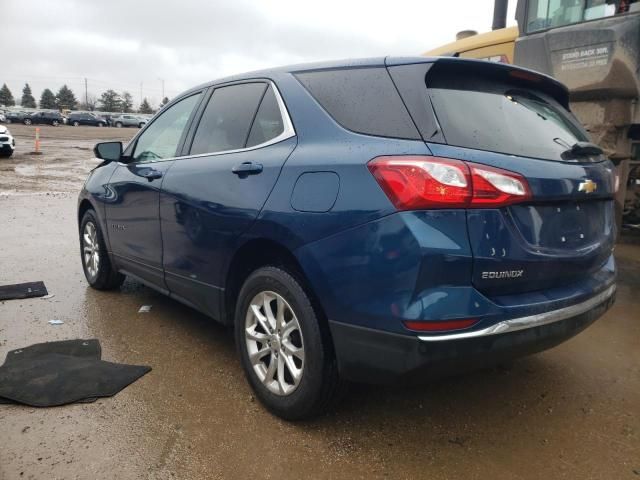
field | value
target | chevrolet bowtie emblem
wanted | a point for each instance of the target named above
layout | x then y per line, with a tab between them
587	186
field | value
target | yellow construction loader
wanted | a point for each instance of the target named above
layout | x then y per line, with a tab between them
593	47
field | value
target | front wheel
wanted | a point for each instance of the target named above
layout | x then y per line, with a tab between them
27	121
95	260
118	124
287	357
76	124
55	123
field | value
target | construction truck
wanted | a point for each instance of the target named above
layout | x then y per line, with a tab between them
593	47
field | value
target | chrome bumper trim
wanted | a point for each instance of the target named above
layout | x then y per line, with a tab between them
515	324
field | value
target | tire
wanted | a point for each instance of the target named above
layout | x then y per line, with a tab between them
55	123
8	120
76	123
100	124
6	155
318	383
27	121
118	124
140	125
100	275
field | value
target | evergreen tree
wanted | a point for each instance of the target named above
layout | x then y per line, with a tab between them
145	107
110	101
165	100
6	98
47	99
27	98
126	102
65	98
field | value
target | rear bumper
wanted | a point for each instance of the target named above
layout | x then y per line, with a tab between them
375	356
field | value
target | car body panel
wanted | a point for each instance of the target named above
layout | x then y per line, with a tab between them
204	208
133	220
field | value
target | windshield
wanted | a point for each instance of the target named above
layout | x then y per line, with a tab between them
543	14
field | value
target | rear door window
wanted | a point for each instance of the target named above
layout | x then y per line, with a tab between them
268	123
502	117
227	119
363	100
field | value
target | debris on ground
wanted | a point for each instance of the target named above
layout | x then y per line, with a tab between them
22	290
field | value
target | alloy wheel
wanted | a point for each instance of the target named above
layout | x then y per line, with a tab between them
91	249
274	343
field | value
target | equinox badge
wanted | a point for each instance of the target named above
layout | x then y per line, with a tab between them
587	186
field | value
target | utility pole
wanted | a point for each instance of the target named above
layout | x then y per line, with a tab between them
86	94
162	80
140	93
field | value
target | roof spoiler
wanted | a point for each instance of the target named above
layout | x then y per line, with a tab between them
505	73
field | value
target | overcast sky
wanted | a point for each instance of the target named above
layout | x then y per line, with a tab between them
122	44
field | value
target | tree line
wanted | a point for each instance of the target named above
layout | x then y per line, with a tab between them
109	101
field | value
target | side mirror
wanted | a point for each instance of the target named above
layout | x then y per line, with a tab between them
109	151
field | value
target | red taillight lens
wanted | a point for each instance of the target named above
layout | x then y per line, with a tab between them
439	326
494	187
418	182
422	182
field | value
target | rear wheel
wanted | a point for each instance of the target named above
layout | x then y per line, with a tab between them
76	123
27	121
95	260
287	358
119	124
9	120
140	125
55	123
100	124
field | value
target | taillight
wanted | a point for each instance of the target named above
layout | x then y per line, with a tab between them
422	182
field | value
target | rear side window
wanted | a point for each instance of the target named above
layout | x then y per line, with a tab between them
502	117
227	119
268	123
363	100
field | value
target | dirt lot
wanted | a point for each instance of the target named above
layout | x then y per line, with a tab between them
572	412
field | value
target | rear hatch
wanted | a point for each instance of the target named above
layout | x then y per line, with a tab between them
518	121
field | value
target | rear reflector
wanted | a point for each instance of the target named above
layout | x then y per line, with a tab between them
423	182
439	326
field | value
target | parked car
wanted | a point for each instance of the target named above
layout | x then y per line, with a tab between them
3	118
7	142
15	116
84	118
128	120
46	117
347	233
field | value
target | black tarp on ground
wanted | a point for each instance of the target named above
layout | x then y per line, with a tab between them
58	373
22	290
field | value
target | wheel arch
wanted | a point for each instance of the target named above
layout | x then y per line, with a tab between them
85	205
262	252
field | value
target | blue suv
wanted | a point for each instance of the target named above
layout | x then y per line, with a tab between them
376	220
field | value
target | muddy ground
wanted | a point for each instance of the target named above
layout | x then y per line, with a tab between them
569	413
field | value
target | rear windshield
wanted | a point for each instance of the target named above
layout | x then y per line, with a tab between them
501	117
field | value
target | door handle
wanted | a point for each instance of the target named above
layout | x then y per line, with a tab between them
247	168
152	174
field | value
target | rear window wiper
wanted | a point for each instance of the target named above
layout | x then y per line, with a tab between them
578	149
585	148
